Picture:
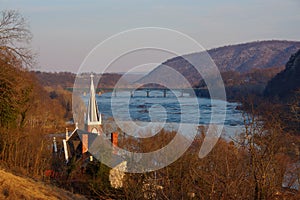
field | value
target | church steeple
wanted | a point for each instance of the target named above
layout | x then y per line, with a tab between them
93	120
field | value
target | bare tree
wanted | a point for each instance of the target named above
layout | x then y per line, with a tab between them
15	37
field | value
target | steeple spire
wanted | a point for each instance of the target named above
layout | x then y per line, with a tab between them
93	120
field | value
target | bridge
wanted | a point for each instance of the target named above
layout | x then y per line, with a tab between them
200	92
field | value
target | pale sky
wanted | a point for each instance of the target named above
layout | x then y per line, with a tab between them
65	31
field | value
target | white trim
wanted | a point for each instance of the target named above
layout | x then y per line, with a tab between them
93	123
66	150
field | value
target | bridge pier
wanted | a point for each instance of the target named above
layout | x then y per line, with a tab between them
181	93
148	91
165	93
131	93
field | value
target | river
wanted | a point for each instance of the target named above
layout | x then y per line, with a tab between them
172	109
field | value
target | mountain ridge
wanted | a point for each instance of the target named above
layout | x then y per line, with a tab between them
242	58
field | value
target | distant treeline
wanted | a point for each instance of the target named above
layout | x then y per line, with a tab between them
67	79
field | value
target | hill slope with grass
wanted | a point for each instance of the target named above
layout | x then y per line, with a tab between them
15	187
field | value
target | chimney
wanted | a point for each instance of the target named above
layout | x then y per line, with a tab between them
114	141
85	143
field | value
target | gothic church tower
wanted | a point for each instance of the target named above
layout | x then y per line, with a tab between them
93	122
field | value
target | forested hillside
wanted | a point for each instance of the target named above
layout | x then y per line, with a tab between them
240	58
27	112
286	85
284	90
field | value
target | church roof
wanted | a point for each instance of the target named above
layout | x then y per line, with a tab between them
96	145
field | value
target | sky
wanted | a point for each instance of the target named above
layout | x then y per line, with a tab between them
65	31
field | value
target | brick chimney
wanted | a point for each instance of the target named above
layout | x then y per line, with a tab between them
114	140
85	143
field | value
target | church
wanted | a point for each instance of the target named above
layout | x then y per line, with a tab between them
75	144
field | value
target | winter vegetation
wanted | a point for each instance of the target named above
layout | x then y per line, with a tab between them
262	162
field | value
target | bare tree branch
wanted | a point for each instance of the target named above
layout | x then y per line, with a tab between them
15	37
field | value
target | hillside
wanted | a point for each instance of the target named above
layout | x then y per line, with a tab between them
15	187
67	79
285	84
261	55
240	58
54	79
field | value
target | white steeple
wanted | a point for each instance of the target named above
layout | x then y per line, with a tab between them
93	120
